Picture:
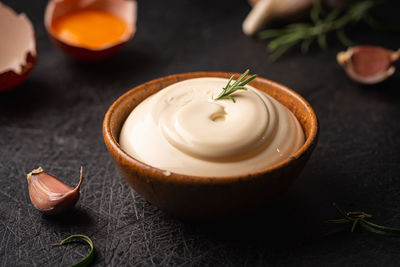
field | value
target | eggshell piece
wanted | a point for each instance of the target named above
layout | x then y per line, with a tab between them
17	48
126	10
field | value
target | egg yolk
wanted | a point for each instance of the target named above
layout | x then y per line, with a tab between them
88	28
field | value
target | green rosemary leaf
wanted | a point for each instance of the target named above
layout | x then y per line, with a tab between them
239	84
316	11
367	227
305	45
263	35
342	212
299	26
354	224
358	10
344	39
239	87
392	230
236	83
247	81
322	41
229	82
288	39
89	258
332	16
280	51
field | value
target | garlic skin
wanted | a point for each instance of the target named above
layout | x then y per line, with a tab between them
266	10
368	64
49	195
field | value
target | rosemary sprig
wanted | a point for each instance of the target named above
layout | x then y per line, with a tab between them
89	258
352	219
237	85
322	24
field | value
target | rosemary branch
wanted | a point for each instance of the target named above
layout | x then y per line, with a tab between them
352	219
237	85
322	24
89	258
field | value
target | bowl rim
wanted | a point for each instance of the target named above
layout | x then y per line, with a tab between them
160	174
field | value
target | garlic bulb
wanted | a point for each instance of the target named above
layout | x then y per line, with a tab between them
267	10
49	195
368	64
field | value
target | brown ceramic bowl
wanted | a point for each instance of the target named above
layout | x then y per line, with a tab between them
193	197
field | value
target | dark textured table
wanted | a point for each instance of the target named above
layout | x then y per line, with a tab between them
54	120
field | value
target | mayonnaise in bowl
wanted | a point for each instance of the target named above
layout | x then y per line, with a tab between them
182	129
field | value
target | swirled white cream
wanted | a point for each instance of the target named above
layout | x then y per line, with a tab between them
182	129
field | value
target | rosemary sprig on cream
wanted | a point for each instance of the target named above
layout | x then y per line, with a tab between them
237	85
354	218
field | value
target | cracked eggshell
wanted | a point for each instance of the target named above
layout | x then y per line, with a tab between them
17	48
126	10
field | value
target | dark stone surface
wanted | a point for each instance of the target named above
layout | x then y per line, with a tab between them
54	120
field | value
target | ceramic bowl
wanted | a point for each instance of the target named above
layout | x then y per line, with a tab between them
195	197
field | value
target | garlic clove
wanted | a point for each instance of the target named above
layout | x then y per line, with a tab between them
264	11
49	195
368	64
